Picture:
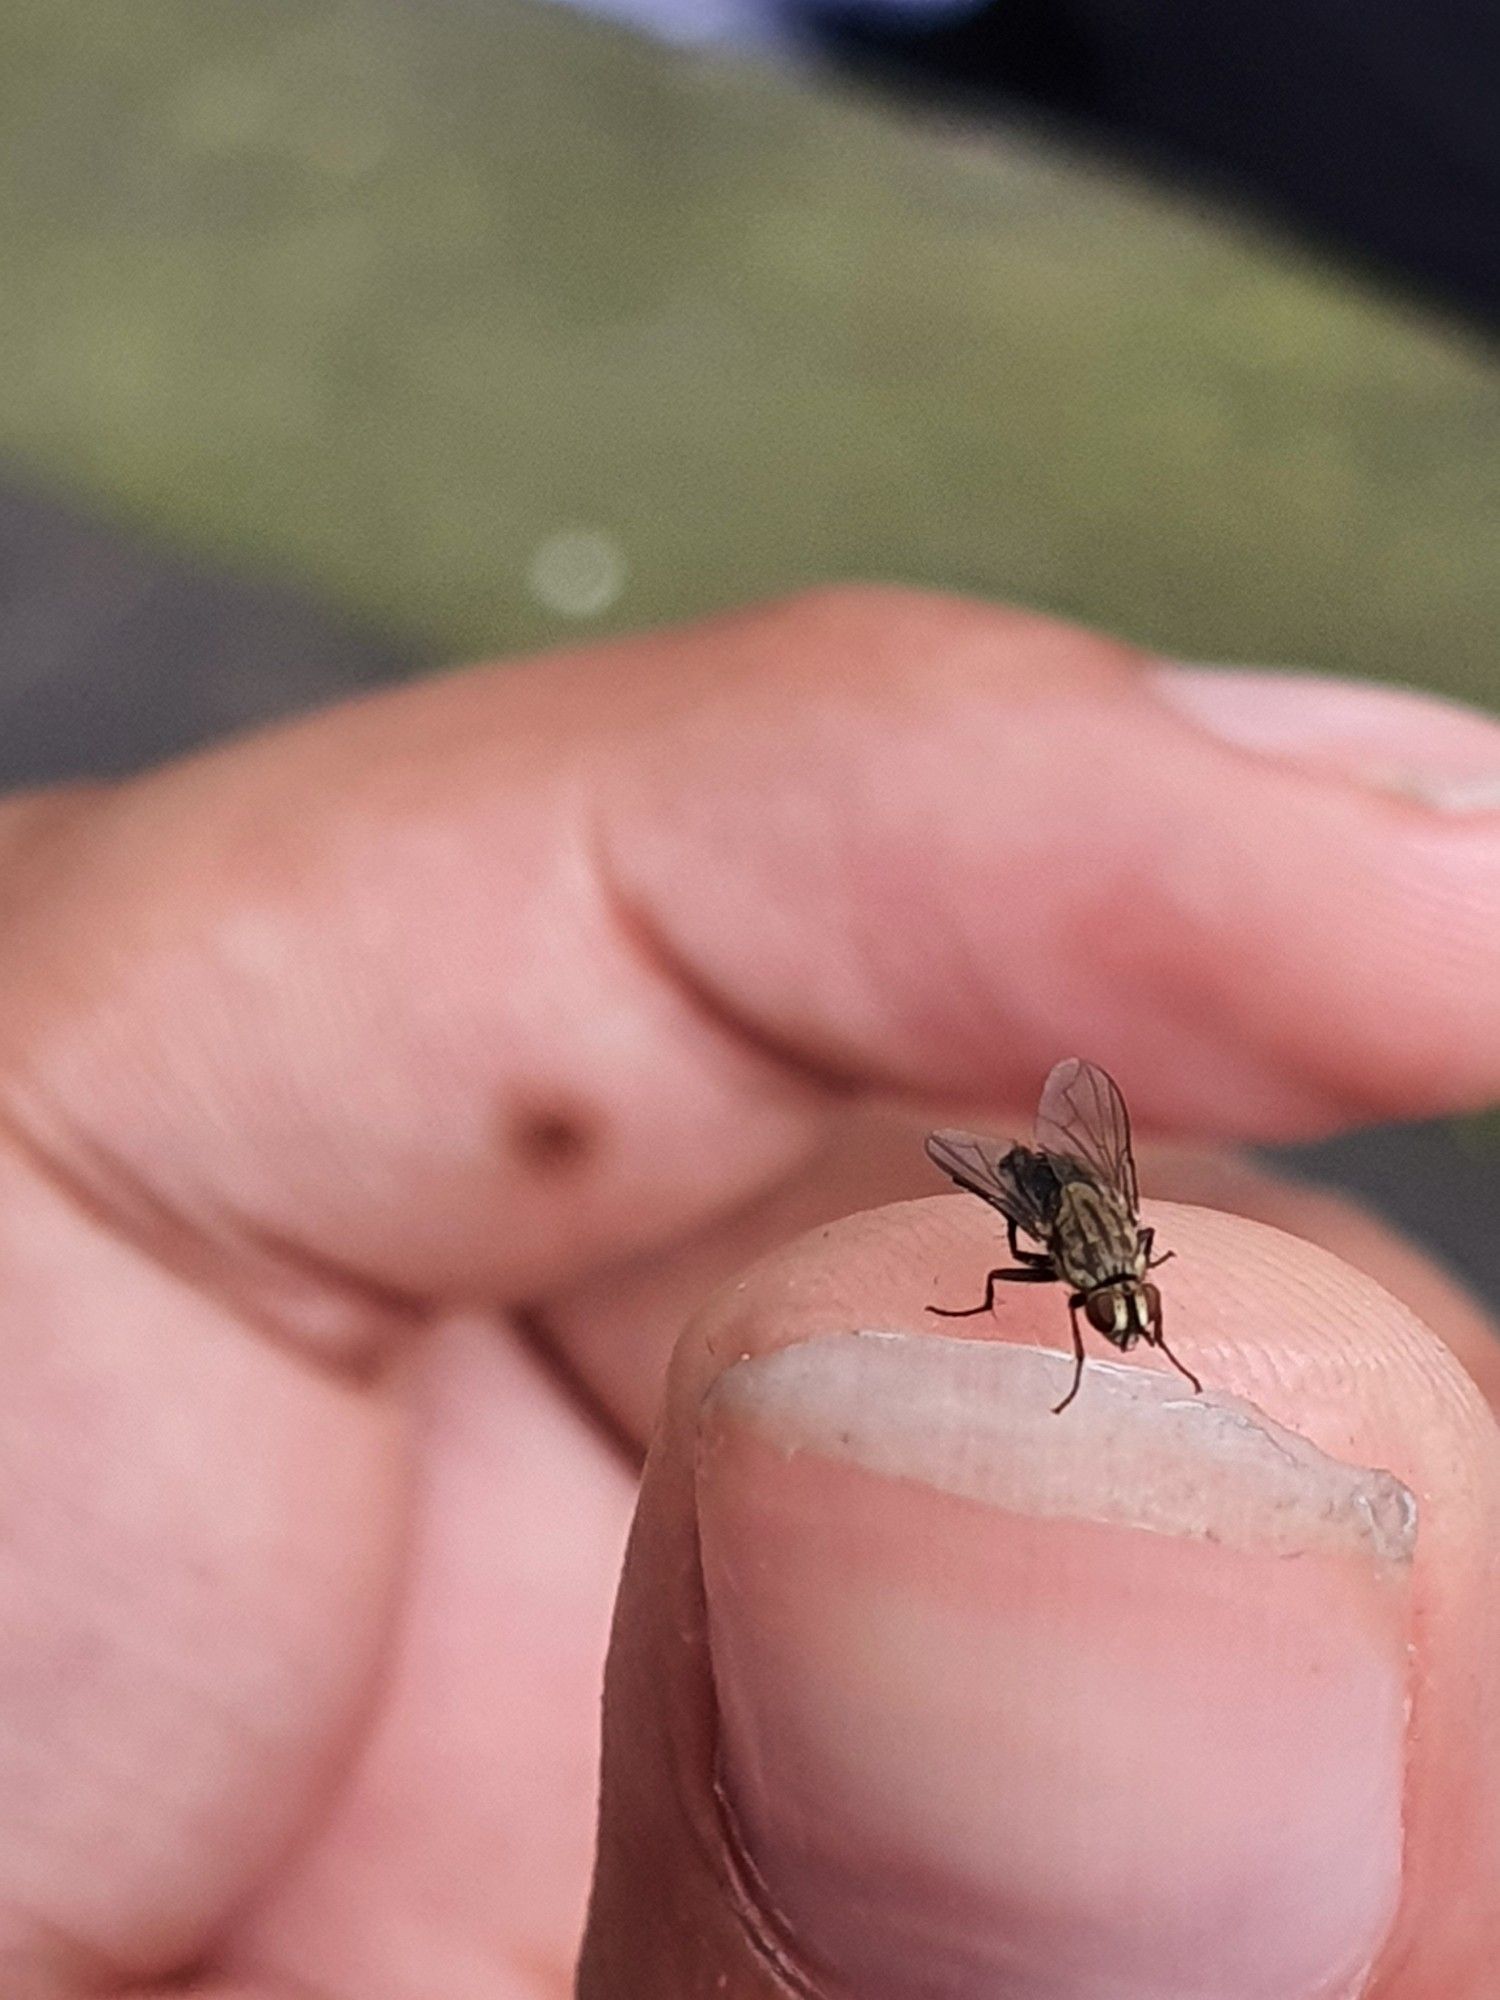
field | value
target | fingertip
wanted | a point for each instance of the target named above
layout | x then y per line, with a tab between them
841	1604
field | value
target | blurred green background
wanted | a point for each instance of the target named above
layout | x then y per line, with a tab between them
340	336
492	324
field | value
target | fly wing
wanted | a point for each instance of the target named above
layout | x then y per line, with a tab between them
987	1167
1082	1117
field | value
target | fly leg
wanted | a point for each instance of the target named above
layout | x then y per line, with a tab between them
1197	1385
1074	1306
1148	1243
1031	1274
1035	1257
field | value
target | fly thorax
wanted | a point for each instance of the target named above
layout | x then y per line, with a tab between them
1095	1238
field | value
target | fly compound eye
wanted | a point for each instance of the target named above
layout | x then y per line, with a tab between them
1151	1301
1101	1309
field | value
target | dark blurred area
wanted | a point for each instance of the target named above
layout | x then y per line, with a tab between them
114	654
1373	125
359	341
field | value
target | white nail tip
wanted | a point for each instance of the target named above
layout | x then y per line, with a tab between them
974	1418
1456	795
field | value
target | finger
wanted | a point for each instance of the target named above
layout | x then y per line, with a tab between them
618	1326
454	1860
200	1544
916	1689
243	1658
454	990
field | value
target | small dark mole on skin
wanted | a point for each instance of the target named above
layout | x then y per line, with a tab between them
554	1138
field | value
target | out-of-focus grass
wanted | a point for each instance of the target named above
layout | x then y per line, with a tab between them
389	295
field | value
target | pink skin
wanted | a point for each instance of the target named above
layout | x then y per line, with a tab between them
514	1010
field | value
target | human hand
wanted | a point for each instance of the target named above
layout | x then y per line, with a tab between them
380	1094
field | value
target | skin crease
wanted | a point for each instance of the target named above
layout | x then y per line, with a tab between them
339	1264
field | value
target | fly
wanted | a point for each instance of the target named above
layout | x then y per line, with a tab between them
1074	1193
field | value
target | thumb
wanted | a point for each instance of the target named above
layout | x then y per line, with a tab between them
918	1692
